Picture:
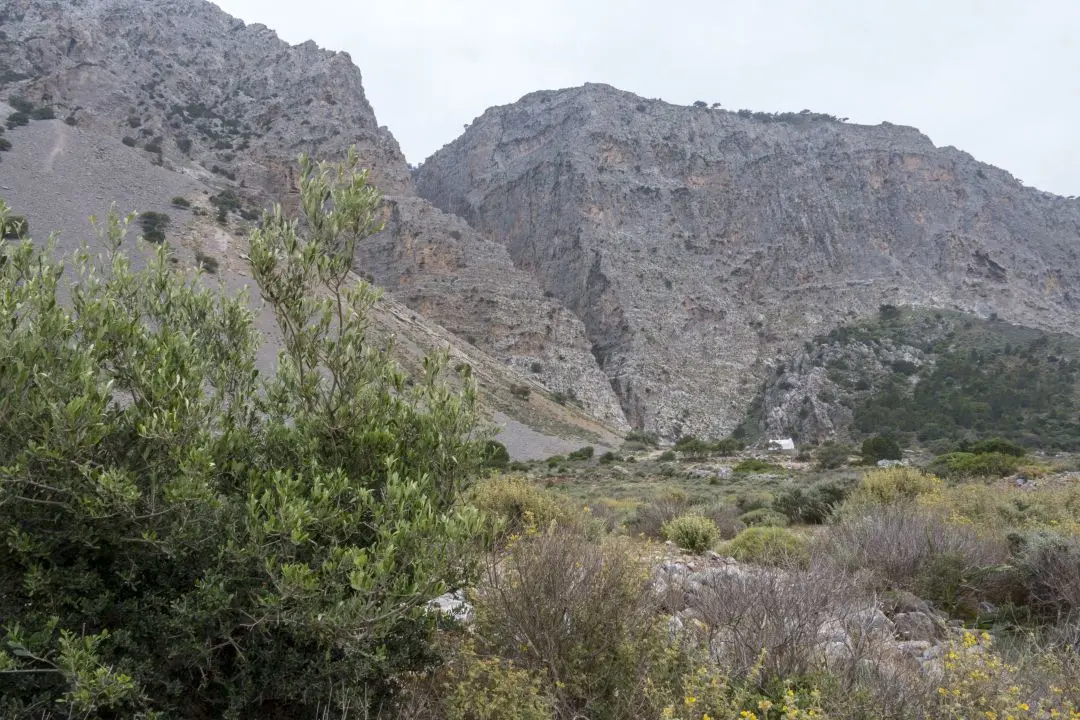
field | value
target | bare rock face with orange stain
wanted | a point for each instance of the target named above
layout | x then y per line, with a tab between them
698	246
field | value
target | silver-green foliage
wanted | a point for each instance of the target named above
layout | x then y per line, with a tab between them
181	535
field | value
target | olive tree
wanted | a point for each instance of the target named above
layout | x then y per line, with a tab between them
181	536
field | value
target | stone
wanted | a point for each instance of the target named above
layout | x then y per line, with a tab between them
916	626
454	606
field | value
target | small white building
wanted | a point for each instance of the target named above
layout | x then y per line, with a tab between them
783	445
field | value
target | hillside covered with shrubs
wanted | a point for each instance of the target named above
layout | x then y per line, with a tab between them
934	376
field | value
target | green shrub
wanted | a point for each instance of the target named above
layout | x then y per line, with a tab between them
129	141
918	549
555	460
5	144
668	456
584	453
17	119
764	517
490	688
194	538
516	503
692	533
649	518
21	104
608	457
813	505
753	500
996	445
43	113
153	226
645	438
880	447
767	546
727	447
181	202
71	120
723	515
694	447
752	466
522	392
1049	564
831	457
495	454
14	227
579	614
888	486
207	263
964	464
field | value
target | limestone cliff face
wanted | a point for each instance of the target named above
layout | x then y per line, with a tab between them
231	105
697	245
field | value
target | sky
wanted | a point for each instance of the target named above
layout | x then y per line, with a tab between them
999	79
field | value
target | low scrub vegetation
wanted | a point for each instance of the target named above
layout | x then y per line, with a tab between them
692	533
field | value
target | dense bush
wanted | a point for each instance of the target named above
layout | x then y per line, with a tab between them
965	464
723	516
764	517
880	447
185	536
768	546
181	202
584	453
814	504
645	438
1050	566
14	227
831	457
649	518
17	119
515	502
753	466
894	485
21	104
43	113
207	263
153	226
577	612
917	549
5	144
995	445
692	533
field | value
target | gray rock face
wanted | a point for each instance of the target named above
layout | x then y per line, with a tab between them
696	244
231	105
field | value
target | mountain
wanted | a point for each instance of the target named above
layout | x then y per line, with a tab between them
701	247
146	100
609	261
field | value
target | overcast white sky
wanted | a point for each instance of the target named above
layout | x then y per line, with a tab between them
997	78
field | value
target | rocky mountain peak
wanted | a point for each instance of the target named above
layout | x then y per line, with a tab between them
698	244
